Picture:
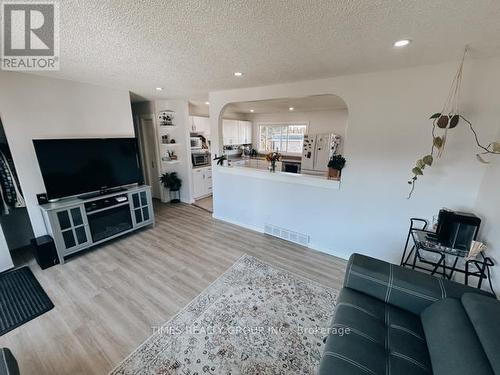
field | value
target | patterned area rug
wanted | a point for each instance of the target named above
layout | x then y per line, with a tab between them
254	319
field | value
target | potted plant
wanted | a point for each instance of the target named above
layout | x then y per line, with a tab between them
335	165
221	159
443	123
172	182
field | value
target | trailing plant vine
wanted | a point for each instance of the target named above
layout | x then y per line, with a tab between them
442	122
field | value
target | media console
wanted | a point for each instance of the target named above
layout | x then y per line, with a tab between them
76	224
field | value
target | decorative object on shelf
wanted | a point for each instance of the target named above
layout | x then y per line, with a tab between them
172	141
335	165
221	159
169	156
172	182
165	139
272	158
166	118
442	122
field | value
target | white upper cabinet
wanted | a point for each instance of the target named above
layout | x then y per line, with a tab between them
200	125
236	132
244	132
230	132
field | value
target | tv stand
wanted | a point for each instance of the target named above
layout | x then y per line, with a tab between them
76	224
101	192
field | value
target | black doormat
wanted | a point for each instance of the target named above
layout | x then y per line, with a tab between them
22	298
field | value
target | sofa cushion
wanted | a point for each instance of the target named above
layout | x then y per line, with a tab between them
8	364
378	339
484	314
454	347
402	287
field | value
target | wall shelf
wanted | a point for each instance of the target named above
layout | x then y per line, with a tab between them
170	162
171	144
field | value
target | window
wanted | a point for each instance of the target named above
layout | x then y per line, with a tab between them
285	138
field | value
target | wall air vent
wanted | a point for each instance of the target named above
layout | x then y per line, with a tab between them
285	234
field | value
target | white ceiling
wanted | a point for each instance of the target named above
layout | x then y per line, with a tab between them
191	47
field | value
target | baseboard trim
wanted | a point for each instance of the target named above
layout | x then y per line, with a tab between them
311	245
238	223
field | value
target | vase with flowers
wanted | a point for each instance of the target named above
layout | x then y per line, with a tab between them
273	158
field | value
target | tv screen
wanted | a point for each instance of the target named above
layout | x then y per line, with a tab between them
76	166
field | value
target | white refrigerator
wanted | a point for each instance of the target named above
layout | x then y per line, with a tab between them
317	151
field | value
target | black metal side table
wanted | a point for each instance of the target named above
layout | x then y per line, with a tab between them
427	241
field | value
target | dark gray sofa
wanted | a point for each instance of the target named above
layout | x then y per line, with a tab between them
403	322
8	364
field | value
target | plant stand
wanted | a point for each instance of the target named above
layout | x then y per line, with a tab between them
175	196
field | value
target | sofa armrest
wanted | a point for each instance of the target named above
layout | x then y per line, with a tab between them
405	288
8	364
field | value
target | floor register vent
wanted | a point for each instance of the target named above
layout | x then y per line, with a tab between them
285	234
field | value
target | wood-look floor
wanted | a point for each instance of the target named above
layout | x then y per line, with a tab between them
108	299
205	203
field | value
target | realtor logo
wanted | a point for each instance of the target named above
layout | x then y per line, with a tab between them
30	35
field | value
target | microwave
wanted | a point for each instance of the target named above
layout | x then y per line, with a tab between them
196	143
200	159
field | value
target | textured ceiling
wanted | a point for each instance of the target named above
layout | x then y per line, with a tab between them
191	47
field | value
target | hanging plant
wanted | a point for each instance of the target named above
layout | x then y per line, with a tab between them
442	122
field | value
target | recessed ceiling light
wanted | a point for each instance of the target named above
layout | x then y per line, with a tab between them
252	110
291	109
207	103
238	74
402	43
159	88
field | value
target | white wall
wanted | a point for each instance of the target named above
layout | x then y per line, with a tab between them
488	206
319	121
38	107
388	130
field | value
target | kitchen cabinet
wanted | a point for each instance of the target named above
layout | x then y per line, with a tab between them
236	132
202	182
200	125
230	132
244	132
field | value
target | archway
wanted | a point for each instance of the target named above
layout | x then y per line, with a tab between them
305	131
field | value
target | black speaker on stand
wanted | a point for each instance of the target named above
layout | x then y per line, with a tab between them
45	251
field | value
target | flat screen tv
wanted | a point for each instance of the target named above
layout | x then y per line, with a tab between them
84	165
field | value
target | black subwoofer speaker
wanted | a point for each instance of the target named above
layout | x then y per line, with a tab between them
45	251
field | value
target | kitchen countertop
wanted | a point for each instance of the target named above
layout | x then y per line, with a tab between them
283	177
263	158
202	166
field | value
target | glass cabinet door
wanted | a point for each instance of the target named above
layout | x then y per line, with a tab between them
72	227
141	208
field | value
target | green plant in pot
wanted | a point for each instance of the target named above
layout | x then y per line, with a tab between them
443	125
335	165
172	182
220	159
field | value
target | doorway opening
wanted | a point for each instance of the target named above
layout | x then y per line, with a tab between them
14	219
147	139
201	157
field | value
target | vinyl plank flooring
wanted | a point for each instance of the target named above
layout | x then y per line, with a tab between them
109	299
